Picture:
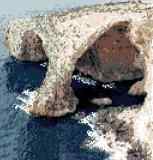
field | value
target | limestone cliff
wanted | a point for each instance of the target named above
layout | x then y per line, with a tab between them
121	35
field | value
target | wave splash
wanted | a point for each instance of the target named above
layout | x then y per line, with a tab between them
97	140
24	99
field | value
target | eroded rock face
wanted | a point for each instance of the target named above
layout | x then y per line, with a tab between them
95	41
32	47
113	56
94	32
137	88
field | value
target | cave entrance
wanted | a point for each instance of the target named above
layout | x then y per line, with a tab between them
109	68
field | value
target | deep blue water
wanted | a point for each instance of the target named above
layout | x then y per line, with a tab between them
23	137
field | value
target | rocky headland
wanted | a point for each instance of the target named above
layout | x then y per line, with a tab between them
111	43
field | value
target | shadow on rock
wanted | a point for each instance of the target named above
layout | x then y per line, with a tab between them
57	139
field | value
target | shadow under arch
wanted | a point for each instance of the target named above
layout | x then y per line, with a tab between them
24	75
113	58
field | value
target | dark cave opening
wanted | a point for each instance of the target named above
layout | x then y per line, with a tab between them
109	68
86	89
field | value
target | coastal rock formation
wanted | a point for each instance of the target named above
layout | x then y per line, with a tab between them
137	88
78	39
108	42
113	56
31	48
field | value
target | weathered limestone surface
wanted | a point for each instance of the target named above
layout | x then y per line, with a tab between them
67	37
31	48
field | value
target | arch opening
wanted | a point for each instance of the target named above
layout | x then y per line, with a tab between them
111	70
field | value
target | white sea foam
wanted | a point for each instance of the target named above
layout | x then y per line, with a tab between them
24	99
84	80
43	64
97	140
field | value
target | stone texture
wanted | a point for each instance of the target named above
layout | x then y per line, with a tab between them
112	56
32	47
137	88
137	152
79	39
70	36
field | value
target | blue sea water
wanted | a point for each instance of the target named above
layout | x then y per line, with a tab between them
23	137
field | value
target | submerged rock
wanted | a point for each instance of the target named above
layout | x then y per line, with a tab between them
102	101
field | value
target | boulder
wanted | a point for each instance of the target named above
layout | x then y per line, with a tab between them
137	88
101	101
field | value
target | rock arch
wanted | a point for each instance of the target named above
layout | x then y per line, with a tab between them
68	43
111	57
67	39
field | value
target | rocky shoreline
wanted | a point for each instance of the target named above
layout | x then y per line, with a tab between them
108	42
